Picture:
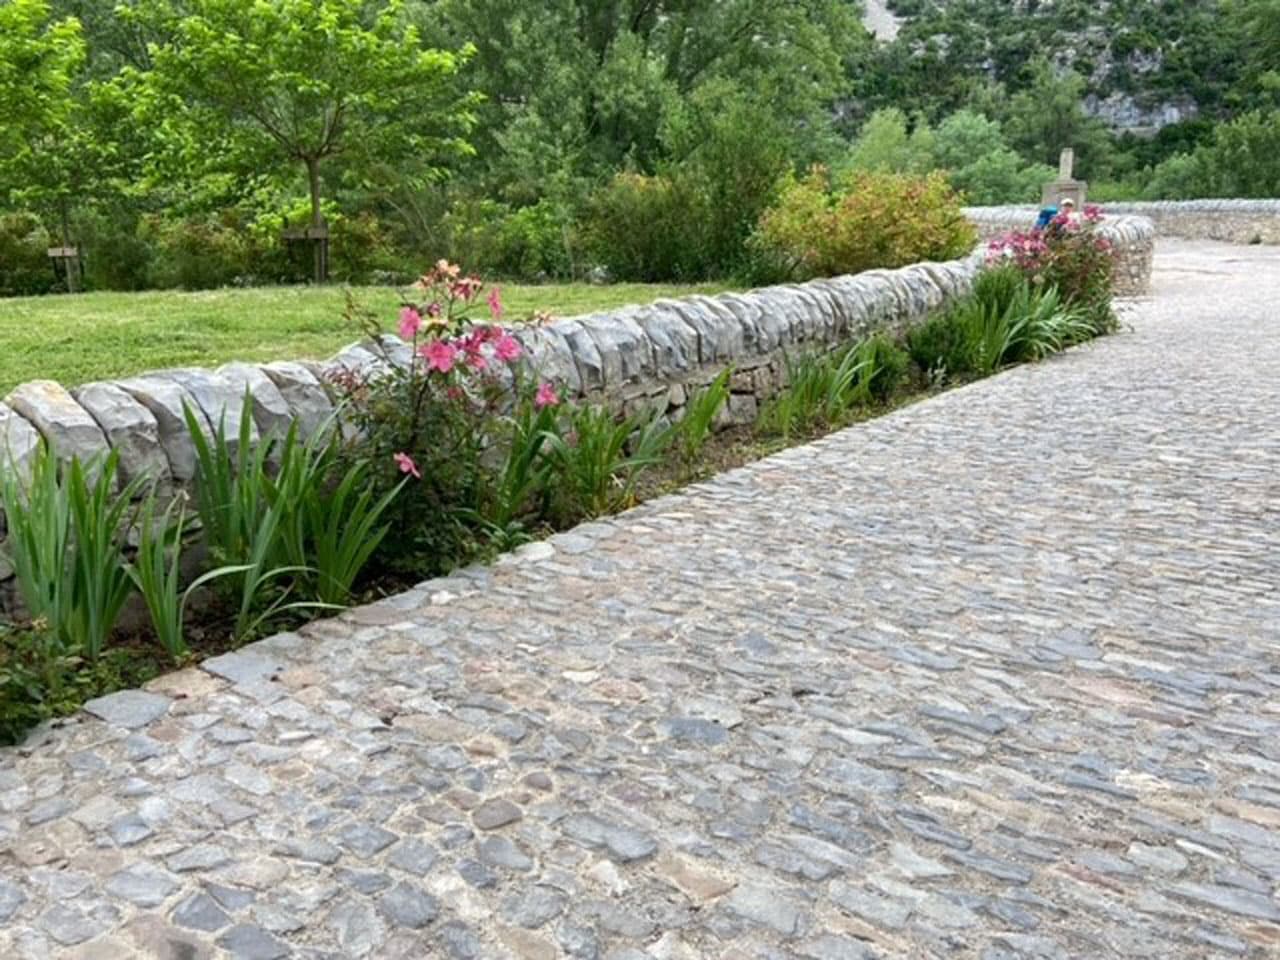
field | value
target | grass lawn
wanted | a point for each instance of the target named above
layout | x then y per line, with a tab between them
100	336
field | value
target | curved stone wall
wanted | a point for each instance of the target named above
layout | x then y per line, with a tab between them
1133	239
1232	221
636	355
626	358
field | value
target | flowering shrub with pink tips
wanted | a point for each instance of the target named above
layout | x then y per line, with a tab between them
442	415
1068	254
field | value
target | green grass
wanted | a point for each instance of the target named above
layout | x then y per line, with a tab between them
101	336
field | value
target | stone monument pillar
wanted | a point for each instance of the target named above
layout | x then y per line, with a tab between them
1065	187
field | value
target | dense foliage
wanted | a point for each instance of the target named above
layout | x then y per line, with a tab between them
821	227
175	141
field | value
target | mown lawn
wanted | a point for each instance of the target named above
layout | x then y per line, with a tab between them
98	336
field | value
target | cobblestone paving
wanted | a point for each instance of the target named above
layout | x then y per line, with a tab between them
995	677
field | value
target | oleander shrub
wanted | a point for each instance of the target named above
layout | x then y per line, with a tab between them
1071	255
440	416
821	227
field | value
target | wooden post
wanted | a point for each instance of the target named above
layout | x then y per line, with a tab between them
69	258
318	238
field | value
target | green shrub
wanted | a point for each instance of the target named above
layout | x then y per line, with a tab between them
25	269
940	346
198	253
536	242
877	220
1006	319
244	520
646	229
886	365
694	428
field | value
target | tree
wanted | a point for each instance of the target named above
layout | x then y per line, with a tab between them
1048	115
241	86
39	61
590	83
884	145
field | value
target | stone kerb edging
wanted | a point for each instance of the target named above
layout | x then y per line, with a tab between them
1132	237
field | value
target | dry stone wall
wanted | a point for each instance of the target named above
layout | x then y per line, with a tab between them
1132	237
653	356
640	355
1232	221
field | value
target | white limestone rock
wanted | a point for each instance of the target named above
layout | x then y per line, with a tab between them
130	429
68	427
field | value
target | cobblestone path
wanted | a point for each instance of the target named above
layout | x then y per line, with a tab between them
995	677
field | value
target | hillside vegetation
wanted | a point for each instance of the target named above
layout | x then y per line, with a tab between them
193	143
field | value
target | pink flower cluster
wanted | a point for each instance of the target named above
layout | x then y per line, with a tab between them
477	349
1025	249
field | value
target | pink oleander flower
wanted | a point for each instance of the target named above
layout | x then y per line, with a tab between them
546	396
476	360
406	465
495	303
466	288
410	323
507	348
439	355
1092	212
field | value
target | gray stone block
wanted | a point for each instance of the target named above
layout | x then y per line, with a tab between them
68	427
303	391
130	428
627	353
165	400
271	412
129	708
674	342
223	402
586	355
720	337
19	440
550	356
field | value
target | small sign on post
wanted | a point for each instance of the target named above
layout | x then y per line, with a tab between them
317	235
1066	187
68	259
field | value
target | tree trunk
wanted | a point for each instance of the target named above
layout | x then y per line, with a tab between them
71	263
319	244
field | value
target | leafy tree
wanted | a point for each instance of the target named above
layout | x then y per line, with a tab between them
1242	161
981	164
884	144
1048	115
580	88
238	87
41	142
38	64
